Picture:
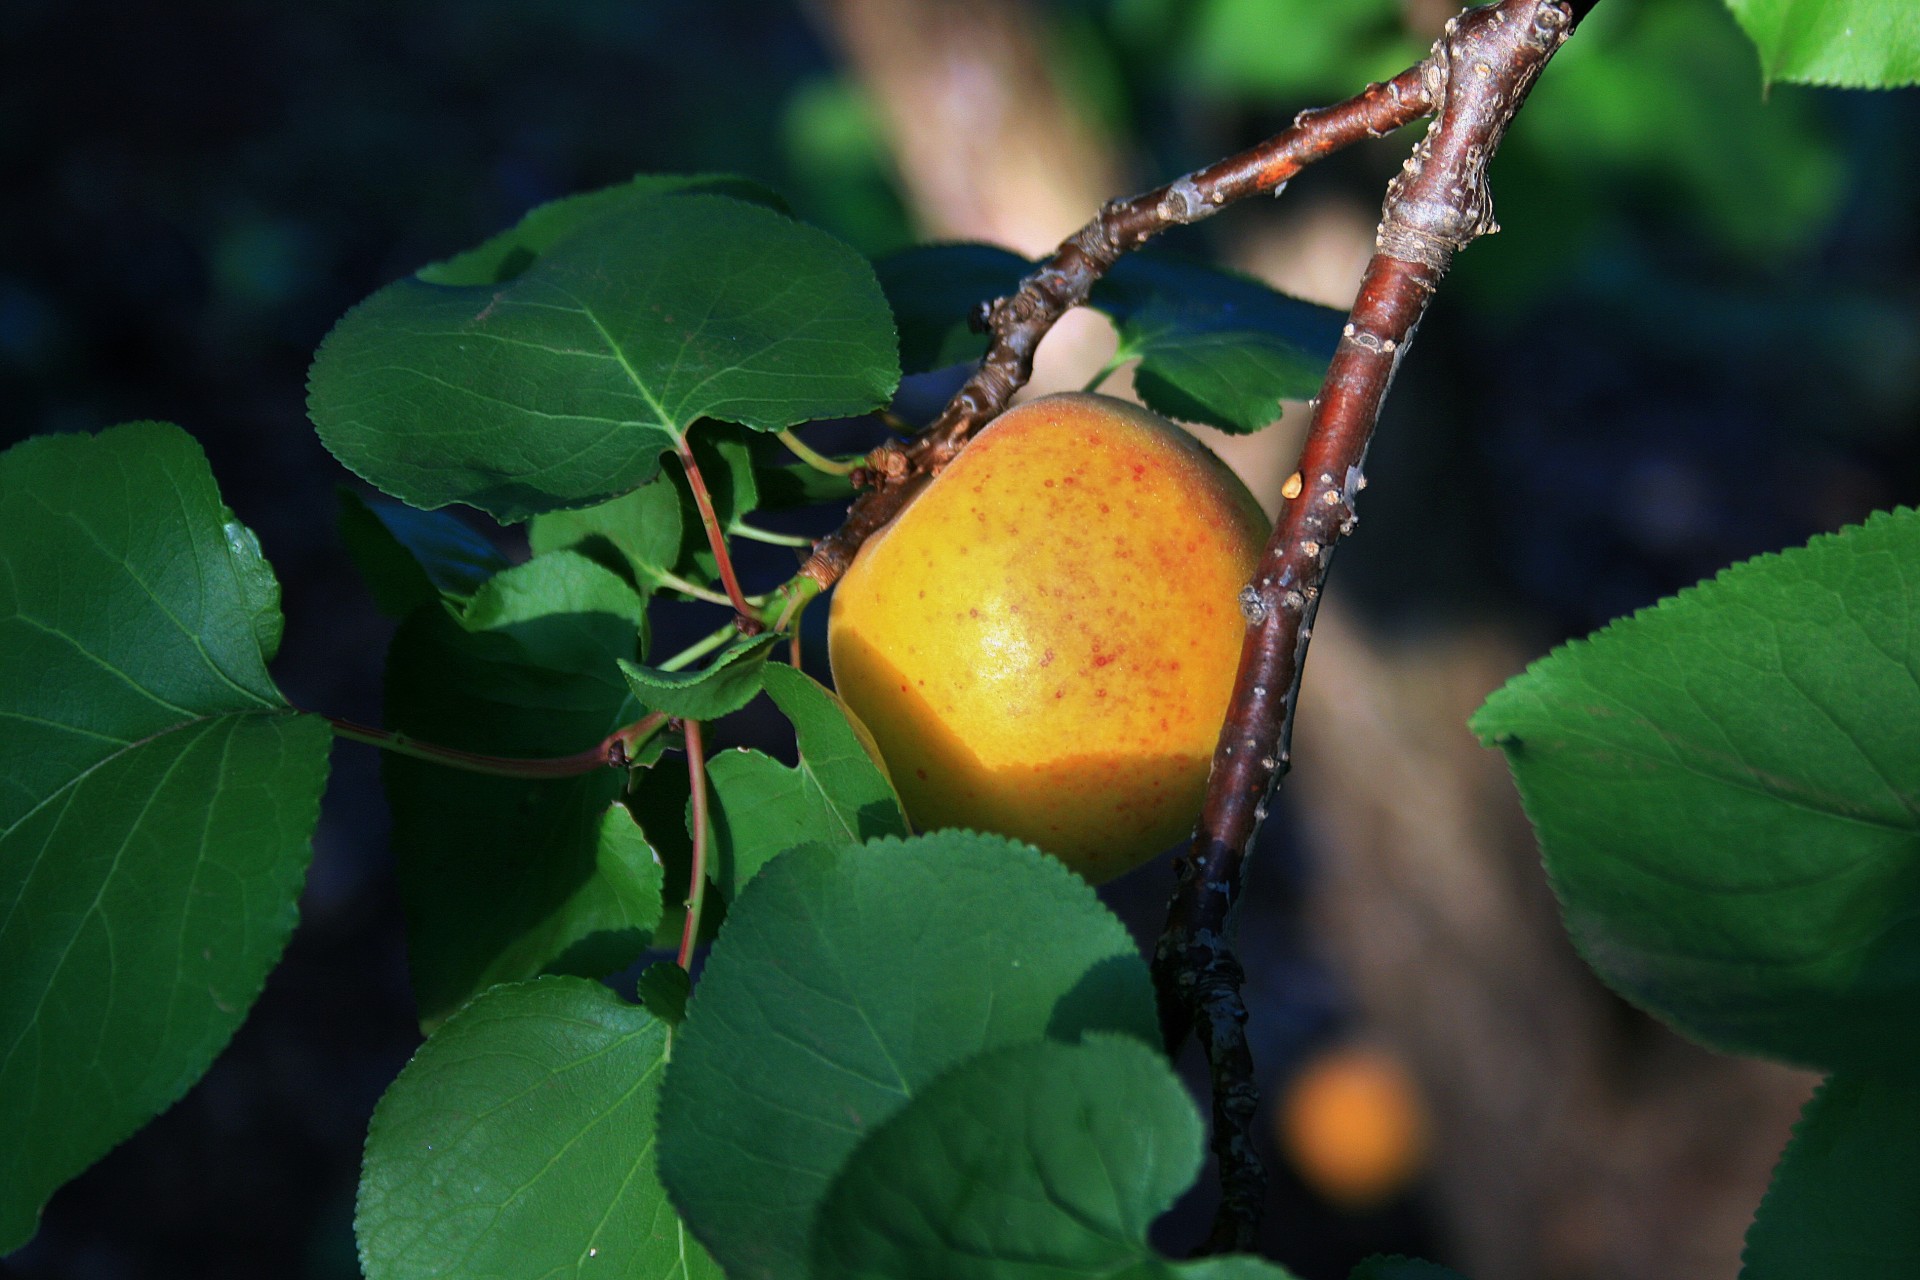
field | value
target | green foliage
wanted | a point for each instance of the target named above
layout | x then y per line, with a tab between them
1033	1162
1724	787
518	1143
562	383
934	289
725	685
411	557
157	794
845	981
1858	44
837	794
505	878
1215	346
1212	346
1845	1200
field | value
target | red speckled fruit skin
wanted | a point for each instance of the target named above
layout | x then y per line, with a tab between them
1044	642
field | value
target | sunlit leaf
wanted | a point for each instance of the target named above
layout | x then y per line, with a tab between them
724	685
519	1142
157	794
1856	44
837	794
563	384
1036	1162
1727	792
844	982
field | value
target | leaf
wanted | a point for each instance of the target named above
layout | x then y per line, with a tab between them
657	798
1855	44
519	1142
639	533
157	794
844	981
410	558
663	989
1845	1199
1215	346
506	878
933	290
506	255
562	385
838	794
1034	1162
725	685
1725	790
1384	1267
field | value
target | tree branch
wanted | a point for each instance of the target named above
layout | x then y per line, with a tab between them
1479	74
897	470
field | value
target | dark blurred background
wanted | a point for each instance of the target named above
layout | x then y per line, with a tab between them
1697	338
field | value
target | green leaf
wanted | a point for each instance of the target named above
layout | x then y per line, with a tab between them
1845	1199
838	794
519	1142
1034	1162
663	989
844	981
410	558
505	878
1215	346
157	794
1725	790
1384	1267
725	685
512	251
935	288
642	531
1855	44
657	798
562	385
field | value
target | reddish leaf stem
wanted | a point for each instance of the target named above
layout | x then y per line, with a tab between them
697	870
744	616
1479	74
615	751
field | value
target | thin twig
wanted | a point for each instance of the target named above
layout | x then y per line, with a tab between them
697	869
1479	74
744	616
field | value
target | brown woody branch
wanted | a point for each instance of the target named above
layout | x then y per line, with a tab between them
896	471
1478	75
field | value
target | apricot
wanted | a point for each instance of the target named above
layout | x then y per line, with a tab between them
1043	643
1353	1126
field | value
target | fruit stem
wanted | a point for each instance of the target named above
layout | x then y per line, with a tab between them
697	872
818	461
744	617
613	752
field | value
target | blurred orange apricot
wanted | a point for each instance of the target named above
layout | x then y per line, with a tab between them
1354	1127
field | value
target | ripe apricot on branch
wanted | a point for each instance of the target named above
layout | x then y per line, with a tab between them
1044	642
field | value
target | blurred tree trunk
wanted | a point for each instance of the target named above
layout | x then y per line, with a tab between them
1574	1138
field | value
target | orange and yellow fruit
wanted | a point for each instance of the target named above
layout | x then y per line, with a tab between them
1043	643
1353	1126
